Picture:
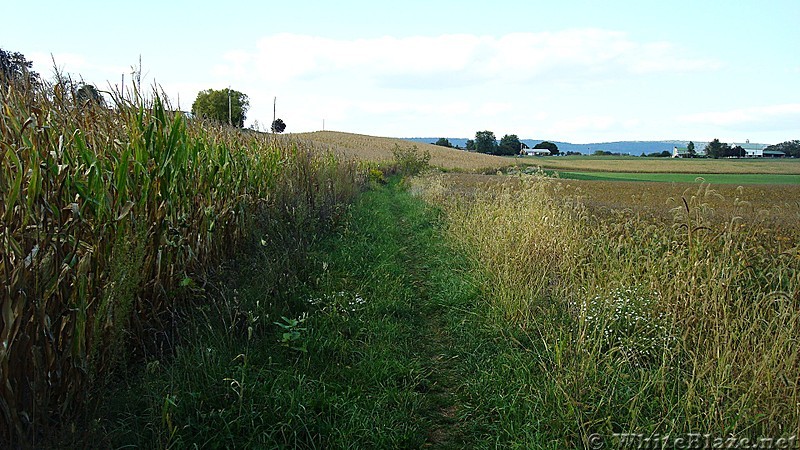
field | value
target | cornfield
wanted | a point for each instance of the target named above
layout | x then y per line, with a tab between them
107	213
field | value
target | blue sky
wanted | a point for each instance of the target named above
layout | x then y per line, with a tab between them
577	71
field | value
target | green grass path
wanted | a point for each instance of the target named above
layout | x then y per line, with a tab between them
389	339
381	359
416	296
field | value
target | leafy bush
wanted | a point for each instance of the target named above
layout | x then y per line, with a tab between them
376	176
410	161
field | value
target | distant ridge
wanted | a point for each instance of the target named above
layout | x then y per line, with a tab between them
635	148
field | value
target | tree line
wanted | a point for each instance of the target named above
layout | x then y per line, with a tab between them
717	149
509	145
790	148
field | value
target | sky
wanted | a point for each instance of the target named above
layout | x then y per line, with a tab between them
573	71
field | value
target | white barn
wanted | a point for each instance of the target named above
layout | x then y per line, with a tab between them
750	150
535	152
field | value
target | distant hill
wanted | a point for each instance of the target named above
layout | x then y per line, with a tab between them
634	148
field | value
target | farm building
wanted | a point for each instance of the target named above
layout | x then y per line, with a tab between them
535	152
683	152
751	150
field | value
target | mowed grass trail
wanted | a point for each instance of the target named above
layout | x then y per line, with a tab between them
381	340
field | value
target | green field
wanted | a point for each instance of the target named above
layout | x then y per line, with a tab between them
713	178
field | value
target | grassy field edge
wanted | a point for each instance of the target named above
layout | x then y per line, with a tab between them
371	350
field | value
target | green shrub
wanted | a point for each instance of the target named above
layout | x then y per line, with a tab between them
410	161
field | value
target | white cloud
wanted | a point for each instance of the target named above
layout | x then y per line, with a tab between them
437	62
583	123
777	117
77	66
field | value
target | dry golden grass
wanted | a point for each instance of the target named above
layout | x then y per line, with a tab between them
668	165
629	323
779	203
776	205
379	149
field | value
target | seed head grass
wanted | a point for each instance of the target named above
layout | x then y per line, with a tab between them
622	322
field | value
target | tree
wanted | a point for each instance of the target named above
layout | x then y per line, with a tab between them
87	94
509	145
717	149
690	148
278	126
225	106
790	148
443	142
470	145
548	146
14	68
485	142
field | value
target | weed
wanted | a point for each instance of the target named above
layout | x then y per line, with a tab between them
293	333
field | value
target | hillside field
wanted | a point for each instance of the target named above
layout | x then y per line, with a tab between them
717	171
379	149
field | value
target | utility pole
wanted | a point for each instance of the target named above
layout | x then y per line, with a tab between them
230	121
274	109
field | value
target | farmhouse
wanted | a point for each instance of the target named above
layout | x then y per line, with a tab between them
683	152
535	152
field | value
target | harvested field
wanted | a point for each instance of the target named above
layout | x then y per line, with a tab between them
666	165
379	149
774	206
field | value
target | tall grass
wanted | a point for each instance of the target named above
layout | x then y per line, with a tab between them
108	214
621	324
